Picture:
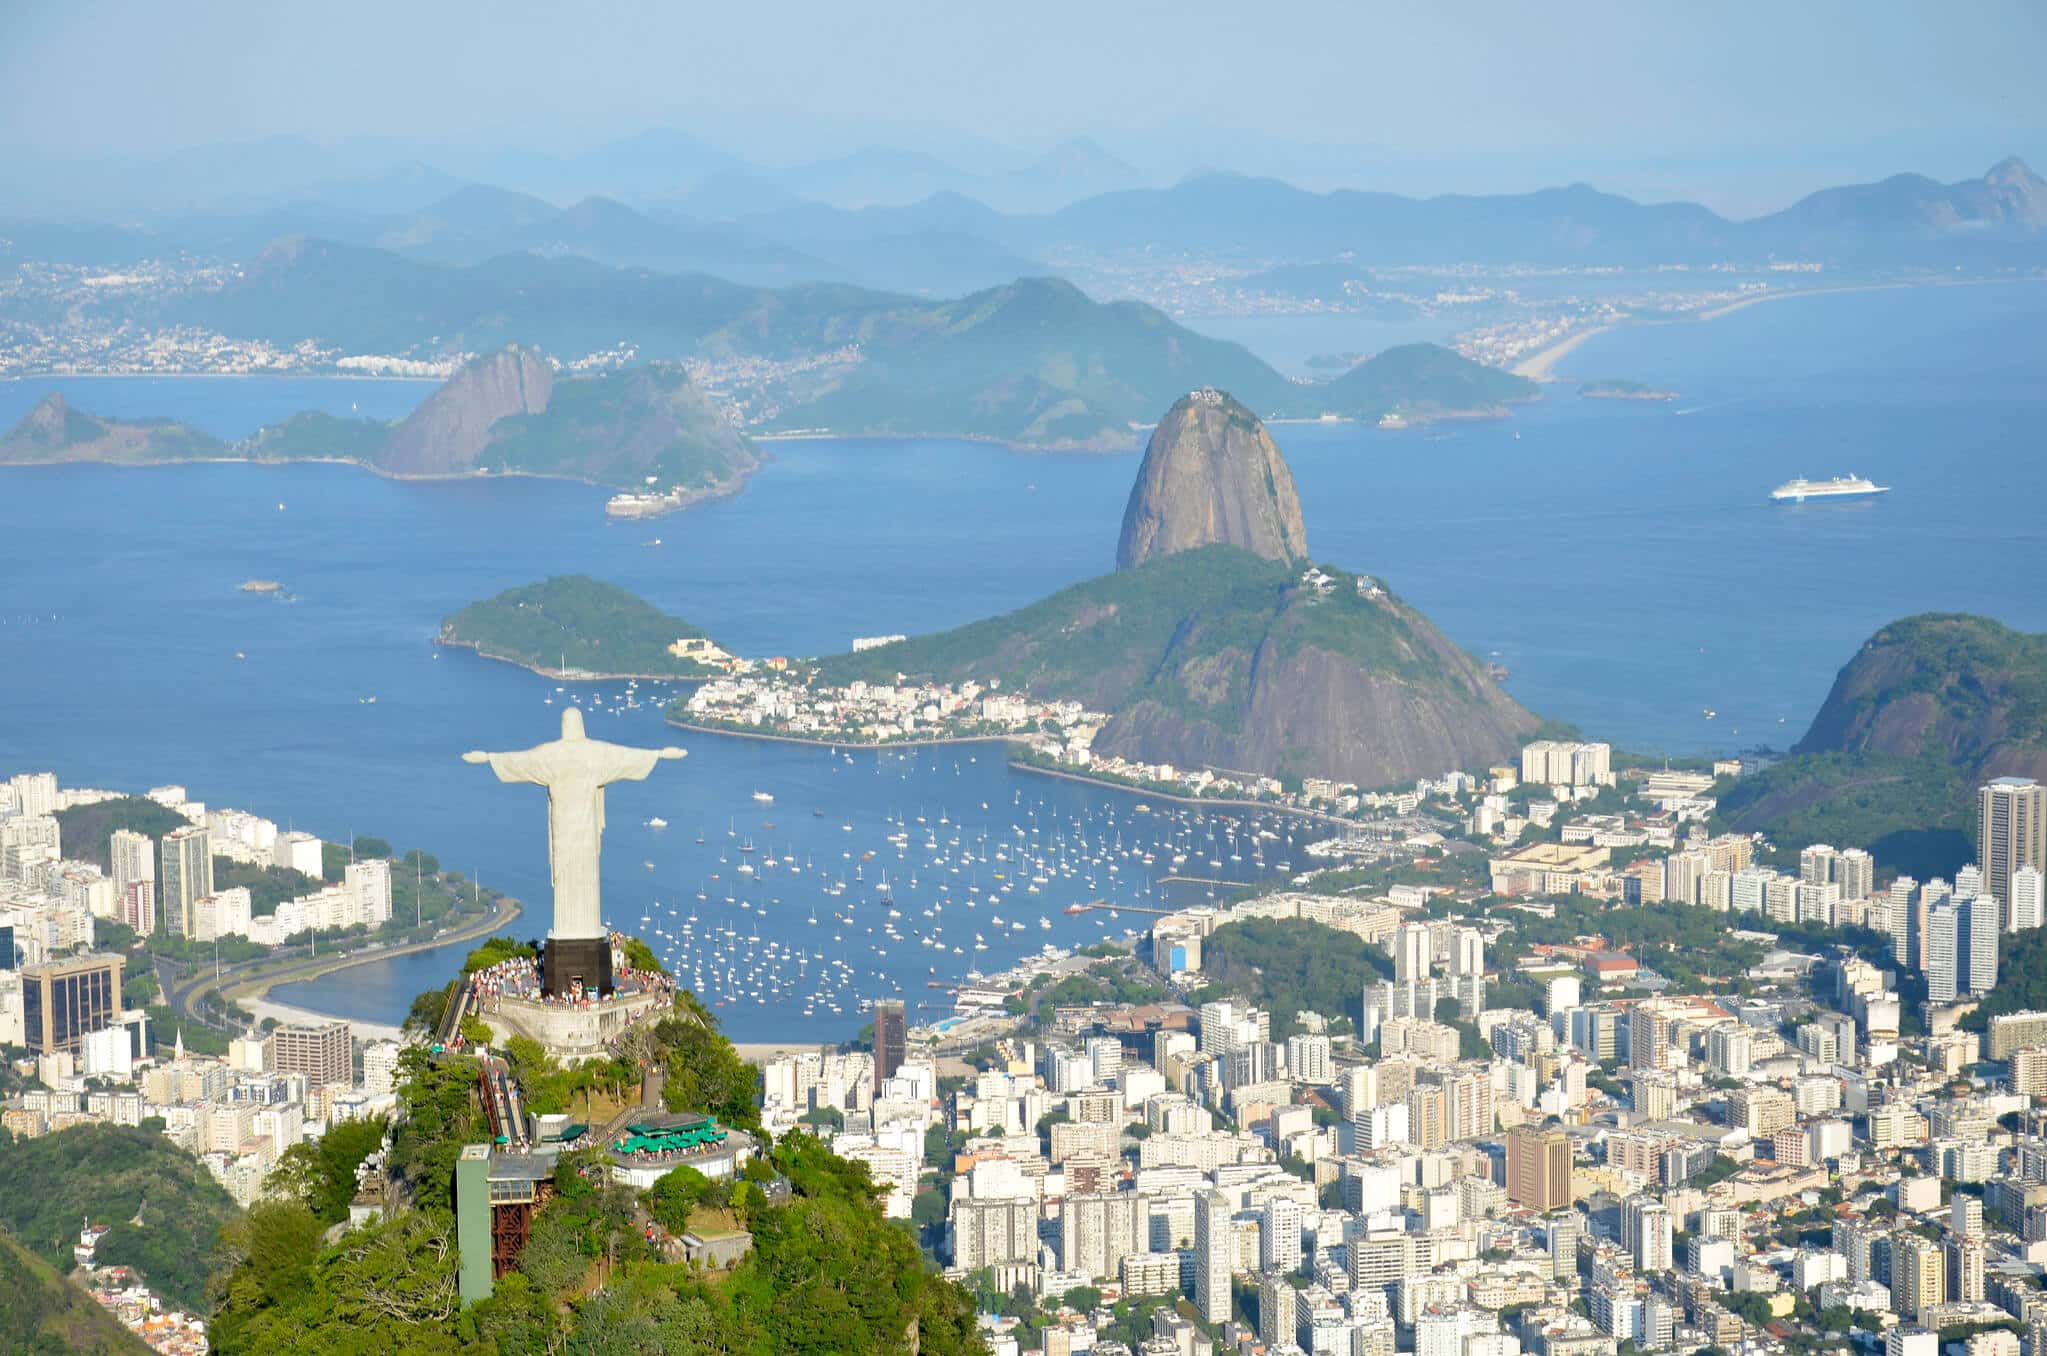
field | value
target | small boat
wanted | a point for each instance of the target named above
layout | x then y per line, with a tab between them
657	822
764	798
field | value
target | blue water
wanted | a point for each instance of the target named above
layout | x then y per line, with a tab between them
1621	559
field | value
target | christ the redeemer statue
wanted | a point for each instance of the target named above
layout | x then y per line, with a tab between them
575	769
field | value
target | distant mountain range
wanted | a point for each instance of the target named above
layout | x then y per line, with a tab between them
748	227
1030	362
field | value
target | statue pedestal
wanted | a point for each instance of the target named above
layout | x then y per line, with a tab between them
567	961
572	1032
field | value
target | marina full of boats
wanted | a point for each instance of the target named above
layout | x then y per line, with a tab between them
822	914
791	885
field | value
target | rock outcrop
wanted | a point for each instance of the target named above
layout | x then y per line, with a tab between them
1965	691
450	429
1211	475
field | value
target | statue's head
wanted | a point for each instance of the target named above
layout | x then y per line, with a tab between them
572	723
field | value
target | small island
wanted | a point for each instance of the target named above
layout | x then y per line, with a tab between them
1617	389
578	627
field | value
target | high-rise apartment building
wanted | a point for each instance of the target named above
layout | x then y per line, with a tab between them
1918	1274
1855	873
1538	1168
186	877
1279	1235
1275	1310
2027	907
993	1232
1982	921
1646	1231
1649	1032
1214	1255
1414	950
132	857
891	1039
2011	831
1943	953
1097	1231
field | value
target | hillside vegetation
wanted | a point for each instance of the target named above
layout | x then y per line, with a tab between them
53	431
41	1312
165	1210
1914	815
1215	655
1292	965
1927	710
827	1276
1963	690
509	411
585	623
1418	382
86	832
1031	362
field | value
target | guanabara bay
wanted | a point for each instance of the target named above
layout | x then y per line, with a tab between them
944	681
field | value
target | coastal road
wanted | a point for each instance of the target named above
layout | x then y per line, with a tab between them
185	988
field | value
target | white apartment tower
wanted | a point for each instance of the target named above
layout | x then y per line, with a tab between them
186	878
1214	1243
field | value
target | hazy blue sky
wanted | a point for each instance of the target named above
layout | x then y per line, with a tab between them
1742	103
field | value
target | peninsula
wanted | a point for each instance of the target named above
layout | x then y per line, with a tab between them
646	430
576	626
55	432
1217	651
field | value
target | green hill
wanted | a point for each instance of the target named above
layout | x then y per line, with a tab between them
1930	707
1217	656
1964	690
114	1175
85	832
626	429
828	1275
587	624
1914	815
1418	382
53	431
41	1312
1032	362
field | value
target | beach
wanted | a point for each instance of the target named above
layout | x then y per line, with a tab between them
1539	365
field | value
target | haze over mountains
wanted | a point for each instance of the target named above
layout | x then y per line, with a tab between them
910	222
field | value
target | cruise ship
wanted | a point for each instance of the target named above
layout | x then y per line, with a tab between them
1841	487
643	505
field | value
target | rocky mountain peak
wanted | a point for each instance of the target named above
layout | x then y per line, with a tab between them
447	432
1211	474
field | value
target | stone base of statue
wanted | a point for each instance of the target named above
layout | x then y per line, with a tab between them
569	964
571	1031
